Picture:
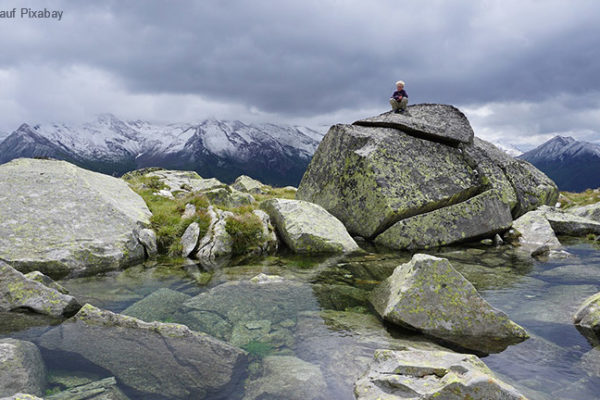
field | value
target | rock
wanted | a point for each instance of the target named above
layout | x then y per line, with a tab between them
590	362
534	232
63	220
46	281
21	368
158	306
417	374
263	298
564	223
147	238
287	378
370	178
482	215
432	121
532	187
186	181
271	243
105	389
498	240
587	319
21	396
591	211
428	295
308	228
189	240
229	198
156	358
165	193
189	212
216	246
246	184
18	293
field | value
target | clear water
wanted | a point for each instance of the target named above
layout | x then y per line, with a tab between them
324	318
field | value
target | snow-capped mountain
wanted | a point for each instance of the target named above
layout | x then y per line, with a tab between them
572	164
3	135
275	154
509	149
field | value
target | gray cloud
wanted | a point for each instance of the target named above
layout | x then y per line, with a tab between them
292	60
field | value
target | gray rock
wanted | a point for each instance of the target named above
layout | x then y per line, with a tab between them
17	293
587	319
185	181
429	295
369	178
226	197
156	358
307	228
416	374
189	212
482	215
271	243
158	306
590	362
22	396
564	223
287	378
105	389
216	246
591	211
147	238
189	240
46	281
246	184
63	220
21	368
430	121
535	232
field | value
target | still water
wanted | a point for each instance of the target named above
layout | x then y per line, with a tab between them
319	318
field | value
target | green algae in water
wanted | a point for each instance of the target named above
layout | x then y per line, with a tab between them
258	349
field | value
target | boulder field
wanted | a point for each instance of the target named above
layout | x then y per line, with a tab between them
420	179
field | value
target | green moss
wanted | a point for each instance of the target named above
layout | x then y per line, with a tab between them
258	349
246	231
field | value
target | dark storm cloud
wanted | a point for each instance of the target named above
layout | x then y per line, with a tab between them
314	57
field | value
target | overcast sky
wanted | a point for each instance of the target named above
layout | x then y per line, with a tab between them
523	71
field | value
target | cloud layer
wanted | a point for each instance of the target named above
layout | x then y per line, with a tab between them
522	70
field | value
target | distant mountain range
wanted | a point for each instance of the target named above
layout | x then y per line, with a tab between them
573	165
274	154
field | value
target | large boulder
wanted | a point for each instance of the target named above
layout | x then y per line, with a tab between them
307	228
21	368
587	319
64	220
157	358
246	184
385	170
19	293
417	374
182	181
428	295
215	248
564	223
534	233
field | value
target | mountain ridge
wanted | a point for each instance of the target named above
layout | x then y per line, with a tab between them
275	154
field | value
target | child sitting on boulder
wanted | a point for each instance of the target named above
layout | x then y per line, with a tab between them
399	99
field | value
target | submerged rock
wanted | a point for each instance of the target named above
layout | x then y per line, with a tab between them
46	281
105	389
308	228
428	295
394	178
416	374
21	368
587	319
287	378
157	358
64	220
158	306
18	293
